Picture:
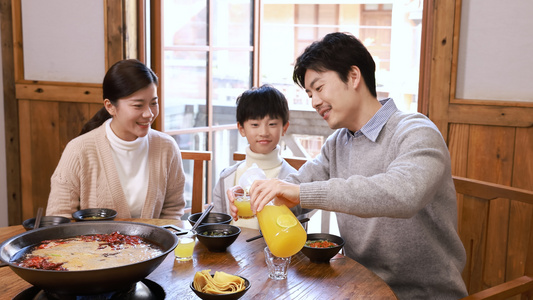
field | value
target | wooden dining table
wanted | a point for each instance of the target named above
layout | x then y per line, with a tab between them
341	278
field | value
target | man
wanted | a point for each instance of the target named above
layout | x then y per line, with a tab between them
385	173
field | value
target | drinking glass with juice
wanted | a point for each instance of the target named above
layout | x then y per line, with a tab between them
242	202
185	248
283	233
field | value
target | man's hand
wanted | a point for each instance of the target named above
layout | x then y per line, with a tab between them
282	192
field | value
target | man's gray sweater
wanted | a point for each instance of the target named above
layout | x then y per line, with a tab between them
395	202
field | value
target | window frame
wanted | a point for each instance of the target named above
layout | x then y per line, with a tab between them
153	38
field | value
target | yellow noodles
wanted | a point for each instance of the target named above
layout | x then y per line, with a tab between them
220	283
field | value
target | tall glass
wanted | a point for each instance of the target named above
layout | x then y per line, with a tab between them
283	233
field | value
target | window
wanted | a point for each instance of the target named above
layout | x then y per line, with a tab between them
212	51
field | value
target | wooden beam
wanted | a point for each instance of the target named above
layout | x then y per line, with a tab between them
489	191
14	200
60	92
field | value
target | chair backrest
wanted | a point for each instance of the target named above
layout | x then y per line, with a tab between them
199	157
496	228
295	162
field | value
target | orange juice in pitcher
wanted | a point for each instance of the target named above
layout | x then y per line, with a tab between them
283	233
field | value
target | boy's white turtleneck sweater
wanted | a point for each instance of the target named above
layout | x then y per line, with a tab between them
131	160
270	163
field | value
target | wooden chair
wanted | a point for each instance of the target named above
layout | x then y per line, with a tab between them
481	219
474	203
295	162
199	157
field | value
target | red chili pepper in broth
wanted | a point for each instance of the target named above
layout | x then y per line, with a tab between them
38	262
322	244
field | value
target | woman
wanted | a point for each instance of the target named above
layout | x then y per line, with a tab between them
118	161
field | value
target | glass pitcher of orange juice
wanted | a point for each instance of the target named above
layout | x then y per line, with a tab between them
283	233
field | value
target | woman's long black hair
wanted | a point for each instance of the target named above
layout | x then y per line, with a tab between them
121	80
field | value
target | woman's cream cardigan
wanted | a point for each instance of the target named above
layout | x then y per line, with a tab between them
86	177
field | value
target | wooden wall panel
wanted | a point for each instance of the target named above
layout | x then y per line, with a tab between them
72	116
473	234
490	158
94	108
13	171
27	163
45	129
488	140
523	159
490	153
44	151
521	218
457	144
24	117
496	234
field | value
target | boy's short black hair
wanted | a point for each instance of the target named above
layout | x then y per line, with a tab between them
257	103
337	52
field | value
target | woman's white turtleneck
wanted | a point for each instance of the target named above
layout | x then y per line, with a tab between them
131	161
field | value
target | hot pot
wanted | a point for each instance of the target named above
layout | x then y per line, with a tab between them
91	281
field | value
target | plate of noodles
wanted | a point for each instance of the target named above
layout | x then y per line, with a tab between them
219	285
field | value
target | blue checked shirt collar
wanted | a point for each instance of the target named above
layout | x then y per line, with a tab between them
373	127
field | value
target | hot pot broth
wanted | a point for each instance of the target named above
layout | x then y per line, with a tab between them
87	252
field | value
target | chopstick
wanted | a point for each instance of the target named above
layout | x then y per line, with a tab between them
37	223
204	214
254	238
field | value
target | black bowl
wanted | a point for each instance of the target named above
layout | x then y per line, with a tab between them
322	255
217	243
95	214
211	218
46	221
237	295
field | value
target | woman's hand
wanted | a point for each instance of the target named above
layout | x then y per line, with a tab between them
282	192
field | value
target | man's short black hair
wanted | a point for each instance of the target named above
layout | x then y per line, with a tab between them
337	52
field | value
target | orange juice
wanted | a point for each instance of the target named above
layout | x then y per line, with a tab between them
245	211
185	248
283	233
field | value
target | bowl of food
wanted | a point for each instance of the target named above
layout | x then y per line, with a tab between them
219	286
321	247
217	237
46	221
95	214
211	218
44	271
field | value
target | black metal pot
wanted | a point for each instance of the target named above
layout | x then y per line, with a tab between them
91	281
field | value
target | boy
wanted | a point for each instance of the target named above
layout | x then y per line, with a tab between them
263	118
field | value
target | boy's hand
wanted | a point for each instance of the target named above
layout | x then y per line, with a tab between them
282	192
232	207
